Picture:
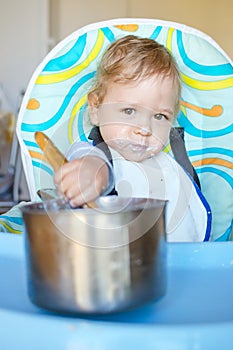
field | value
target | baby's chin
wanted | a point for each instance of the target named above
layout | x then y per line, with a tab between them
136	157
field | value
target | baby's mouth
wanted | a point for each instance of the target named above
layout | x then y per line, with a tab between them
137	147
132	146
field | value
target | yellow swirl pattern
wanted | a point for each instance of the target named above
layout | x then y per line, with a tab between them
9	228
59	77
207	85
74	113
169	39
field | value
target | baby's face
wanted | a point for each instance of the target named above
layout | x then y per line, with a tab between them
135	118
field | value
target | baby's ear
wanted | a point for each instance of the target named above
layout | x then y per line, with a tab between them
93	107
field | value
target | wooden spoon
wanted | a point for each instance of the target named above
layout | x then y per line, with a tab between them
55	158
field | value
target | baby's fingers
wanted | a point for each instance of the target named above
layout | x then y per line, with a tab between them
82	198
63	171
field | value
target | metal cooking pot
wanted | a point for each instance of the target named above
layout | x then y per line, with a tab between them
95	260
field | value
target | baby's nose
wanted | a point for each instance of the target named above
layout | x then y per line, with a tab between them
142	130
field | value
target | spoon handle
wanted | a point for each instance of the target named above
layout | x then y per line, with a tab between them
55	158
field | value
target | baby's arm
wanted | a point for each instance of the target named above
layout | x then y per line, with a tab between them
87	175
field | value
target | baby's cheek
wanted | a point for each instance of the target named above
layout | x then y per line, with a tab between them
162	137
159	141
156	149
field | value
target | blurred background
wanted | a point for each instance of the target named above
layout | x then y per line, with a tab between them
29	29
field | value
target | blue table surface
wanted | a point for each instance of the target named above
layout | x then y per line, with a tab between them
196	312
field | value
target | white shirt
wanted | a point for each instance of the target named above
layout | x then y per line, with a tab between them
188	215
161	177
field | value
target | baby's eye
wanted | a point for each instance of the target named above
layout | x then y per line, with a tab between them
159	116
129	111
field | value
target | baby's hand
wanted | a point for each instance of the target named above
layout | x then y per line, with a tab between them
82	180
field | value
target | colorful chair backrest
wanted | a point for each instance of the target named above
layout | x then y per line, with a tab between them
56	99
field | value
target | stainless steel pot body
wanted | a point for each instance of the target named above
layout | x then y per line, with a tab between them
96	261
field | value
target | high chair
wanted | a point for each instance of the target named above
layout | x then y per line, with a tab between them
56	99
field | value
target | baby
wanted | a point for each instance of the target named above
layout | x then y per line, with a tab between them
133	105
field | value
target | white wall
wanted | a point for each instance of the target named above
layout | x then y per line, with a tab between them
75	14
215	18
23	43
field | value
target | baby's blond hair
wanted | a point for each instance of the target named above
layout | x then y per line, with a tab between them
132	58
